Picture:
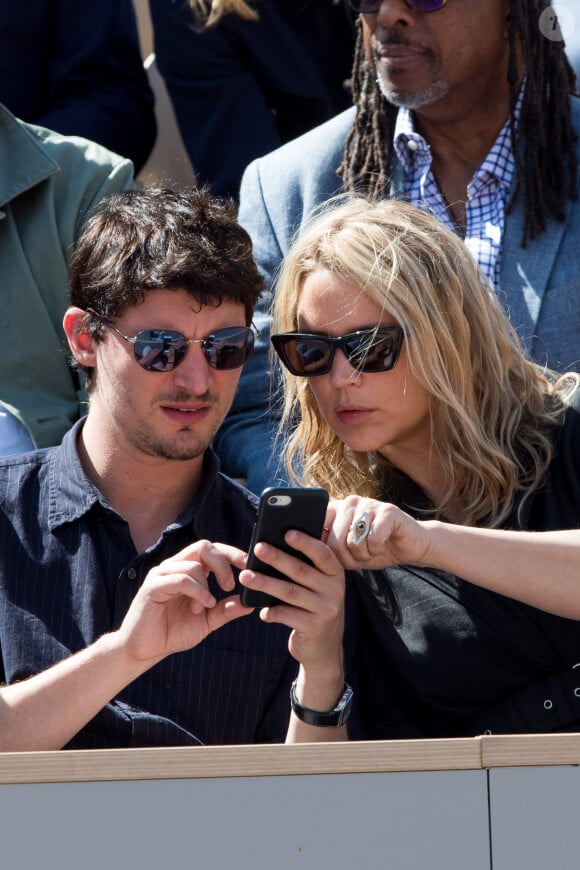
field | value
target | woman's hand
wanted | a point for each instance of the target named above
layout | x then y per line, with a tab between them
174	609
366	533
537	568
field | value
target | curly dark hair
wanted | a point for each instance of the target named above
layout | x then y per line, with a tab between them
155	238
546	164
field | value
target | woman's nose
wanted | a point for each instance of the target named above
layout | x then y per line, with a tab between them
341	371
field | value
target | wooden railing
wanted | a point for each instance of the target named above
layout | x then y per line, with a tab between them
488	803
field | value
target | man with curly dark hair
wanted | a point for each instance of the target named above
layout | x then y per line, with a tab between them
121	549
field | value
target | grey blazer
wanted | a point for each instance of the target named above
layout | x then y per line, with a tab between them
540	285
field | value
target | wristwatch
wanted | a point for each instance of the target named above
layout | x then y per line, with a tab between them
329	719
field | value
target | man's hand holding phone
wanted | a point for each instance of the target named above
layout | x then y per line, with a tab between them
304	582
281	510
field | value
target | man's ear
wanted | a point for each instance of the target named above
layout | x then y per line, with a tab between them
80	340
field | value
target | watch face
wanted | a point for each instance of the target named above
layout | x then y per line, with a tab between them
346	699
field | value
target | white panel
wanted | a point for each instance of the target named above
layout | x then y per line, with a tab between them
397	821
535	818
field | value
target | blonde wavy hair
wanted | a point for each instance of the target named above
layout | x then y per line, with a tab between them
492	409
209	12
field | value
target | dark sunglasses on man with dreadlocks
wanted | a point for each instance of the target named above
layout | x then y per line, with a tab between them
369	7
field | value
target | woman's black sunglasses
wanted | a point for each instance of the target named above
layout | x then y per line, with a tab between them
162	350
368	350
369	7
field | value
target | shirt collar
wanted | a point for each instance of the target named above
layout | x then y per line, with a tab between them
410	147
204	512
23	158
414	152
72	494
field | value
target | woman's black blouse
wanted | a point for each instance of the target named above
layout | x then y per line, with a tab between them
434	656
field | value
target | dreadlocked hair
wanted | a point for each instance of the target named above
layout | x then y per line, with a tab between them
367	151
547	170
546	165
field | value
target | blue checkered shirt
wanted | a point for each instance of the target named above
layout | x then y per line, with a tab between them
487	192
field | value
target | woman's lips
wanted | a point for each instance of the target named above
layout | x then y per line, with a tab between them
352	416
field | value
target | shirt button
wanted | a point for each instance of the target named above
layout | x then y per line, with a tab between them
131	573
412	145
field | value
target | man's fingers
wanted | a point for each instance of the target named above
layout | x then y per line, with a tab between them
161	586
226	611
204	557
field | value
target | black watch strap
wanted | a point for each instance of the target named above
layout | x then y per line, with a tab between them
328	719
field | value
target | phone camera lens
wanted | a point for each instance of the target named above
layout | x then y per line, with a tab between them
273	499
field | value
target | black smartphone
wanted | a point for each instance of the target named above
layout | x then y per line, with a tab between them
282	509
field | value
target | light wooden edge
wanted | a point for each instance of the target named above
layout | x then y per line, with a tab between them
477	753
235	761
524	750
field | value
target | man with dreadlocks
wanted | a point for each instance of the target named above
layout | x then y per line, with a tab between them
468	110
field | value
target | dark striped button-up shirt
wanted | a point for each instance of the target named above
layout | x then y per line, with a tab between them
68	573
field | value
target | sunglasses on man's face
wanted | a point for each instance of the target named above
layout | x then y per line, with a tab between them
368	350
369	7
162	350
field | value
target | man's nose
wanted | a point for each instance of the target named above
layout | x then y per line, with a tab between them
193	372
393	13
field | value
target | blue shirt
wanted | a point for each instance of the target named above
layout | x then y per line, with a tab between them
487	193
68	573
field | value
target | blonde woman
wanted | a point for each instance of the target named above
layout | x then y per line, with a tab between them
456	464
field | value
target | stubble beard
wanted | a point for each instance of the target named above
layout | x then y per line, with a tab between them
173	449
438	88
413	100
180	446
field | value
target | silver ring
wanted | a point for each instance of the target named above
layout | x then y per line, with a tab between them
361	528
